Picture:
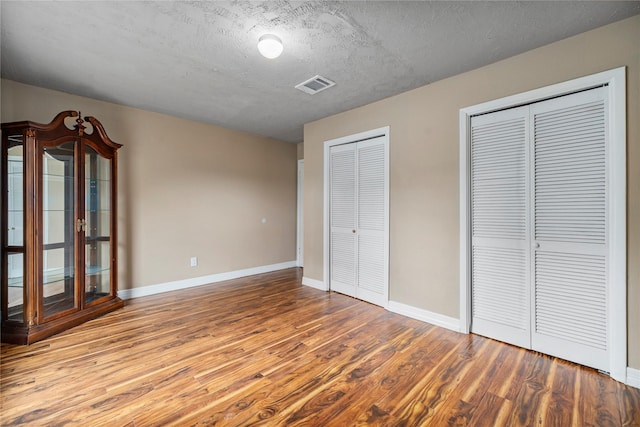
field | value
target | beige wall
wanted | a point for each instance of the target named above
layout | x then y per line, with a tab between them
424	155
186	189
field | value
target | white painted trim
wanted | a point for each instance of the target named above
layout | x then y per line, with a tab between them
618	222
633	377
424	315
616	81
380	132
300	216
202	280
465	223
313	283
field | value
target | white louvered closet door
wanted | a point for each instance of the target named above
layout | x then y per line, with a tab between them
539	200
343	243
358	251
570	288
372	265
500	244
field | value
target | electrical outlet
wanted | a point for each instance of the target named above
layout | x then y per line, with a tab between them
194	261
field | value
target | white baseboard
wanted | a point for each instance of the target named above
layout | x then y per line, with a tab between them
318	284
633	377
199	281
425	315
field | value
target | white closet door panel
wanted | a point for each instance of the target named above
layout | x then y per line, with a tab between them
498	173
343	187
371	185
499	211
372	268
571	307
343	263
343	244
570	289
500	302
570	169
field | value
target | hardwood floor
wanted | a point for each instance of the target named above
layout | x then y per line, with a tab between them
265	350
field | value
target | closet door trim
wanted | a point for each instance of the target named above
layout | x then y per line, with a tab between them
614	81
363	136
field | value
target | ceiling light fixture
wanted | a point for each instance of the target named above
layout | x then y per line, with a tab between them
270	46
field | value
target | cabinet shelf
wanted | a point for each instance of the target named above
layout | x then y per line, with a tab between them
58	274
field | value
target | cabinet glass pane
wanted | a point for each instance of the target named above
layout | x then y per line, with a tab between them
98	230
58	223
16	286
98	274
15	190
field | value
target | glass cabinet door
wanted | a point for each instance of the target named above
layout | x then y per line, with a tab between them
97	200
15	228
58	229
58	293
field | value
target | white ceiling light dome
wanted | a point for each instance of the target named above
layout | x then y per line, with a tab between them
270	46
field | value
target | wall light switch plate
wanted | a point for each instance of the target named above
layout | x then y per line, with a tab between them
194	261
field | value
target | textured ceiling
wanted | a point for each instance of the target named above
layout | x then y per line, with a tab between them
199	60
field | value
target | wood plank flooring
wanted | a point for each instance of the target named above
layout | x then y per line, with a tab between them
266	350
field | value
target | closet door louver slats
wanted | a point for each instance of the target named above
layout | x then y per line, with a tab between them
371	264
561	206
371	187
499	292
343	182
343	259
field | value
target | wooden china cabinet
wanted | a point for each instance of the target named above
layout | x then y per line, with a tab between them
59	246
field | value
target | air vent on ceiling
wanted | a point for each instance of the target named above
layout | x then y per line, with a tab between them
315	84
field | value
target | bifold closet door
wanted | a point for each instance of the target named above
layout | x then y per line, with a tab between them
500	249
570	228
539	222
358	264
343	242
372	263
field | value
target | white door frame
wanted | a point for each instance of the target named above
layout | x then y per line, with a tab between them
617	245
300	216
326	231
